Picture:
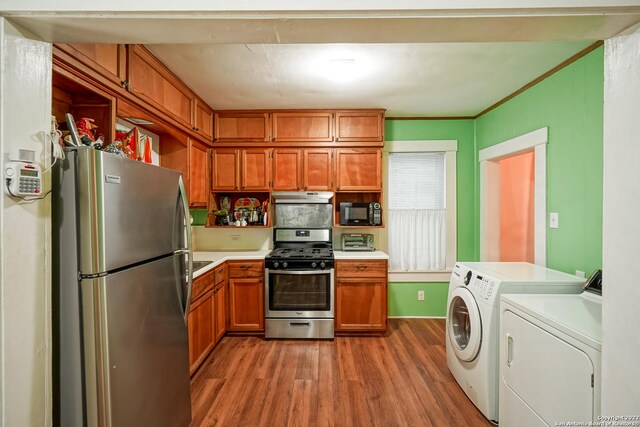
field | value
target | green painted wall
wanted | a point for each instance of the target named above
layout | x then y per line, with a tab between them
403	299
570	103
462	131
199	216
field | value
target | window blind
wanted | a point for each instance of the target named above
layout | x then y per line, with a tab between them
416	180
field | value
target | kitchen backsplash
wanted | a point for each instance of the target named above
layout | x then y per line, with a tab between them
244	238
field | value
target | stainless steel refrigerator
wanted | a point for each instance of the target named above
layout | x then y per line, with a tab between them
121	290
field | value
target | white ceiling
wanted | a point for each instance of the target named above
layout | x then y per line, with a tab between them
455	59
437	79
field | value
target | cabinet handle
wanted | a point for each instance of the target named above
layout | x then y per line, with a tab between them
124	84
273	139
361	267
337	139
509	350
245	267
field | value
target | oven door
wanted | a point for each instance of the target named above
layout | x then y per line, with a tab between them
299	294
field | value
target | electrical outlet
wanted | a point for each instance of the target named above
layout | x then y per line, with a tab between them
420	295
235	237
580	273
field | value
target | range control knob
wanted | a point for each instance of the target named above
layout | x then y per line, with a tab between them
314	264
322	264
284	264
276	264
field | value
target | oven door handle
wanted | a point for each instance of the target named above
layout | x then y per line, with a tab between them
300	273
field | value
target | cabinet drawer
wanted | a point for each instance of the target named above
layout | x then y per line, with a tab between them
365	268
220	274
201	285
246	269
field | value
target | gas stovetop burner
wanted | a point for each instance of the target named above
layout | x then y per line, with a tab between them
304	253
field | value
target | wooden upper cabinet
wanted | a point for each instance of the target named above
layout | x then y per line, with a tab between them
287	164
358	169
202	119
151	81
225	173
355	126
302	127
198	174
233	127
109	60
255	170
317	169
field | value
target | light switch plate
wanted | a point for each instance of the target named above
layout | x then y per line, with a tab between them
553	220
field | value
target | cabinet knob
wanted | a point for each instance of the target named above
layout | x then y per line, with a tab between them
273	139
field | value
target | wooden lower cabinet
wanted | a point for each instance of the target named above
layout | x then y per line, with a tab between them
221	301
201	326
246	296
361	296
220	298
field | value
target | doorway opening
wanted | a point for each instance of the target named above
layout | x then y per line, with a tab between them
513	199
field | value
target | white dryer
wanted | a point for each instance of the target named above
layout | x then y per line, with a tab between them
550	359
473	320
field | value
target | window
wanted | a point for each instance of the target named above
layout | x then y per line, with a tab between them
421	206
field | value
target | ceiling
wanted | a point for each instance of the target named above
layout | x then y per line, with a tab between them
413	62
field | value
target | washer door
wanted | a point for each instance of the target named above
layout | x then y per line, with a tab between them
463	324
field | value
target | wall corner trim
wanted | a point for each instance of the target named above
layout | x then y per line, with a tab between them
515	145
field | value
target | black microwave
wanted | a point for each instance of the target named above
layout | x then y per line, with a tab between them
358	213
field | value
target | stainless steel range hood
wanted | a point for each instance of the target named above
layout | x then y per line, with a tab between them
302	197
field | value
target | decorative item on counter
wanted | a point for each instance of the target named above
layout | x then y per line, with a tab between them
147	149
225	203
265	210
244	207
222	216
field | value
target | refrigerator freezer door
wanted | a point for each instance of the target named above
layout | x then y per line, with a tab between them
136	346
127	211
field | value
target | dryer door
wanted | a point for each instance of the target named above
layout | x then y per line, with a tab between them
463	324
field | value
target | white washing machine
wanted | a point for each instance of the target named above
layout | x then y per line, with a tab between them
550	359
473	320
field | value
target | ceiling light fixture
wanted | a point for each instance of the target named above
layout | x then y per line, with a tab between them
342	69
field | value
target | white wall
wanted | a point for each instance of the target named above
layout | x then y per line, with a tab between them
621	227
25	276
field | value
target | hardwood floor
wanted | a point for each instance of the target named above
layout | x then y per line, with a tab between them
401	379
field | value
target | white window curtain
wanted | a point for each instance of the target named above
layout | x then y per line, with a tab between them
417	211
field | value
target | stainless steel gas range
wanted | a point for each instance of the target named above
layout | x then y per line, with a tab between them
299	282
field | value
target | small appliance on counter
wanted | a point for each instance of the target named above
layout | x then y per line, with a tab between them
357	242
359	213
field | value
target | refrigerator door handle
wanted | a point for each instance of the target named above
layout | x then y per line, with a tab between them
189	252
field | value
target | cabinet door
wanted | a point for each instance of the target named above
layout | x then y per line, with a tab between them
286	169
220	297
155	84
361	304
354	126
317	169
359	169
302	127
198	175
225	174
109	60
200	323
246	304
255	170
203	119
231	127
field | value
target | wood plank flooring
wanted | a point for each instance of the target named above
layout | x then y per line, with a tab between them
401	379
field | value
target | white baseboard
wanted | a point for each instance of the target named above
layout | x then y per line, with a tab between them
417	317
